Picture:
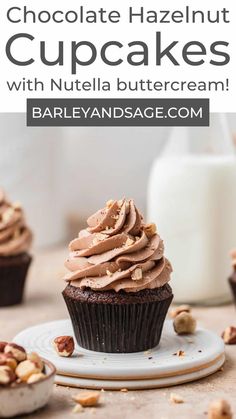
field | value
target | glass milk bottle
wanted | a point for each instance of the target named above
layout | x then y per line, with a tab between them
192	199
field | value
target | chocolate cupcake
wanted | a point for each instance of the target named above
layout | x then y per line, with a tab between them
232	278
15	241
118	293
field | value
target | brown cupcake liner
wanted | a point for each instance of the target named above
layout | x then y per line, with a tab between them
13	272
121	328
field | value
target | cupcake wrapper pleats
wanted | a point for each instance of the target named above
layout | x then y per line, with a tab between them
114	328
13	272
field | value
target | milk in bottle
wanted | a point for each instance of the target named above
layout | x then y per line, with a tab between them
192	199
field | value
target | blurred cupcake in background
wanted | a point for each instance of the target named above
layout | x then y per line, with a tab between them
232	278
15	242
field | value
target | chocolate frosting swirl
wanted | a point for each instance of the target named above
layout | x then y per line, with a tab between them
118	252
15	236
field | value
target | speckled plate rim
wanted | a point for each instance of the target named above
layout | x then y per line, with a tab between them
147	377
139	384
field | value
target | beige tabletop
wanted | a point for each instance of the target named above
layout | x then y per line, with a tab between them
43	303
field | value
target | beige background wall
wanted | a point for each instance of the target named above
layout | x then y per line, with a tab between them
56	171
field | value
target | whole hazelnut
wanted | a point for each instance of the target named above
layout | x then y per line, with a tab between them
184	323
12	363
34	357
3	358
34	378
25	369
7	359
64	345
229	335
16	351
2	346
7	376
219	409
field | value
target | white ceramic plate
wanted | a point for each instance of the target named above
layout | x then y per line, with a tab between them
203	355
138	384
